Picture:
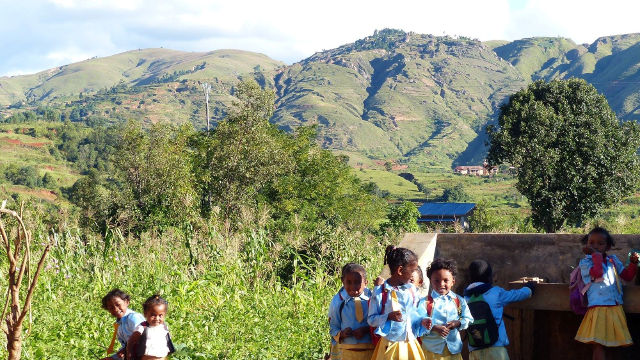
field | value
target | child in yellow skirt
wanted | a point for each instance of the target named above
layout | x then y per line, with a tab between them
393	311
348	316
604	325
448	313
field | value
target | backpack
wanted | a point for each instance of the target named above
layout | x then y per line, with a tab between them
578	292
142	342
483	331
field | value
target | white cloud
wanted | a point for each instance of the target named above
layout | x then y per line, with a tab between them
46	33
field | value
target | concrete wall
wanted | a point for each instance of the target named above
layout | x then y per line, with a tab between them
542	327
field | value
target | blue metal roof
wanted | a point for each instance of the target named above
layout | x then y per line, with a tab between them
439	210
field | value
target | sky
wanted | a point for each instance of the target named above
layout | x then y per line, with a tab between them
41	34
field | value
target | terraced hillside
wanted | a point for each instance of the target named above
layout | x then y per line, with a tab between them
416	100
395	95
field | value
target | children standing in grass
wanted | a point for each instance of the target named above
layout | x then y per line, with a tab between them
116	302
487	334
604	325
393	311
348	312
151	340
448	312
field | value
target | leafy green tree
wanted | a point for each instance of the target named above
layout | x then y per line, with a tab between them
455	194
155	176
573	157
243	154
402	218
48	181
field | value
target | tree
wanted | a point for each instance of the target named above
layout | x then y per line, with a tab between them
455	194
17	249
403	217
573	157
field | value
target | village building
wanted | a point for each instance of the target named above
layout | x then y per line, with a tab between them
446	213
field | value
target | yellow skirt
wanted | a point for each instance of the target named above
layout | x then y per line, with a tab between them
490	353
400	350
335	352
446	355
605	325
355	352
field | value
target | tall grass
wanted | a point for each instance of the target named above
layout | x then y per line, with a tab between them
233	295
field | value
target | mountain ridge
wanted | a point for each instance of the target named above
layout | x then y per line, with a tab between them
415	99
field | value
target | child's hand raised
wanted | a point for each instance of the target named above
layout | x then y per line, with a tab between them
426	322
634	258
442	330
395	316
588	250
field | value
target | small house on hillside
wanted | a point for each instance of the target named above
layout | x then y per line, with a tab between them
446	213
477	170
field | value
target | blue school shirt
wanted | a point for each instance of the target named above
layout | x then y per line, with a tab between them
412	316
340	320
605	291
444	310
333	308
497	298
127	324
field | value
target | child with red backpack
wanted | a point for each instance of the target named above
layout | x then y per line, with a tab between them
487	334
393	313
348	327
604	324
447	311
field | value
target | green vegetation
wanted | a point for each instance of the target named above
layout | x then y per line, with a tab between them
574	158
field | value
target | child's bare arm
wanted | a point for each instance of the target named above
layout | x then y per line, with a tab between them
630	271
131	345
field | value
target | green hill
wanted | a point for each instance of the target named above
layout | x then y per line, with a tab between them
413	99
133	68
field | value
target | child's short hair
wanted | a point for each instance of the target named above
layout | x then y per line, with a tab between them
113	294
601	231
354	268
396	257
442	264
153	301
480	271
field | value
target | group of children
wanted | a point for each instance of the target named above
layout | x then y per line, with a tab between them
399	320
140	337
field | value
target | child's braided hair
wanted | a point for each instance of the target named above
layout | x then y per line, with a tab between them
153	301
397	256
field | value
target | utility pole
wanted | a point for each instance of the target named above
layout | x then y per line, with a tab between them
206	87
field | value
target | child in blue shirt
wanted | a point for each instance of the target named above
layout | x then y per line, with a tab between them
604	325
116	302
497	298
349	330
448	313
393	310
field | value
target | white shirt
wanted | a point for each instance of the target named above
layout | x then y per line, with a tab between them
156	340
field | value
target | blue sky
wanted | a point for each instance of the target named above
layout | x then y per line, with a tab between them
41	34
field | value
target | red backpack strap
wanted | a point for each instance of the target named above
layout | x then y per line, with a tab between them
458	305
429	305
385	296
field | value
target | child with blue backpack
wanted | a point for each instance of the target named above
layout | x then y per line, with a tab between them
393	311
604	324
348	327
447	311
487	333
